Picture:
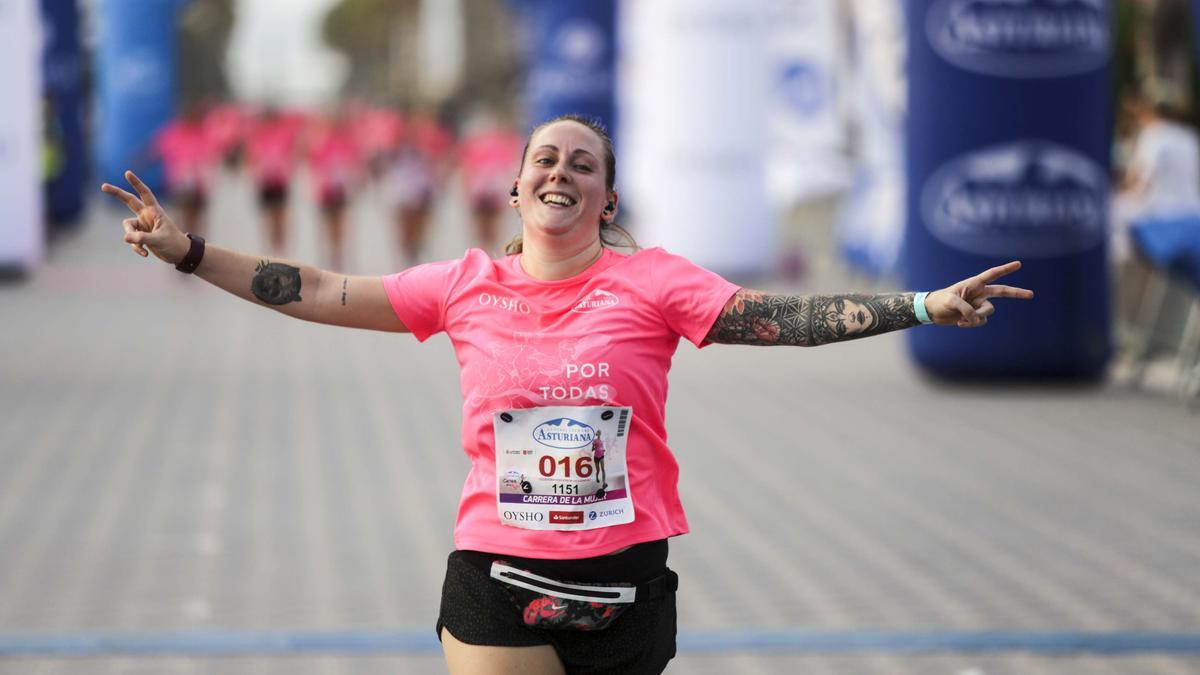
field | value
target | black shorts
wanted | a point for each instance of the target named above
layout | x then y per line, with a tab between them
193	199
332	201
272	194
479	610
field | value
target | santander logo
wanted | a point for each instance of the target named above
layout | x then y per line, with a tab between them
596	300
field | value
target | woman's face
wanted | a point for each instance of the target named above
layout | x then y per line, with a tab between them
561	191
855	317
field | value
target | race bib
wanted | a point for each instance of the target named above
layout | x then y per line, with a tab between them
563	468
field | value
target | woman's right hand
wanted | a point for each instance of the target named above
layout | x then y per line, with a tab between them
151	230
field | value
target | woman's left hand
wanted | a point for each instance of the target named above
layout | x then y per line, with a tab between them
967	304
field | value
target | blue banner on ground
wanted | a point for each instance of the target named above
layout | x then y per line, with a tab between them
1007	158
571	59
65	157
135	93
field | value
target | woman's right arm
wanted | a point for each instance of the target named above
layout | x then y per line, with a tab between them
301	291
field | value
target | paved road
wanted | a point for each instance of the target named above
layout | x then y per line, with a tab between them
174	460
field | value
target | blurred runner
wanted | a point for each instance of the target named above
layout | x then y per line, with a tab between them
335	162
189	160
377	132
271	151
226	125
488	157
418	166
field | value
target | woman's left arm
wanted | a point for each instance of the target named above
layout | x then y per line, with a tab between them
756	318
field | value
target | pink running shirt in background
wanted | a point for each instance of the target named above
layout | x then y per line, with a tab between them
489	161
335	160
189	157
271	148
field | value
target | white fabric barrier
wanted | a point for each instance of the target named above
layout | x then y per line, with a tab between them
871	222
694	82
21	222
807	149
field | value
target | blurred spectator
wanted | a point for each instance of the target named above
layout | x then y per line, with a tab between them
489	158
1162	175
418	166
271	150
1160	179
189	159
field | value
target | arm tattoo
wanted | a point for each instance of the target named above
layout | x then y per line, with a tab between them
276	283
344	280
757	318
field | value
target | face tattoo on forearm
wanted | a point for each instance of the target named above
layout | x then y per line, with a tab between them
276	283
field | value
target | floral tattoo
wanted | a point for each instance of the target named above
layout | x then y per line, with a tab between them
756	318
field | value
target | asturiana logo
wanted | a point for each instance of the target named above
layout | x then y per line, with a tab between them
563	433
1028	198
1021	38
597	299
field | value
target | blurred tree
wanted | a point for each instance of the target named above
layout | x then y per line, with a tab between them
204	28
494	68
1173	62
380	39
376	36
1130	17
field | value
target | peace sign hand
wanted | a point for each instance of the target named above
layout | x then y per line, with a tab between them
151	230
966	304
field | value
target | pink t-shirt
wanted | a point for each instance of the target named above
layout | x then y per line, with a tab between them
189	157
603	337
489	162
271	149
226	126
334	159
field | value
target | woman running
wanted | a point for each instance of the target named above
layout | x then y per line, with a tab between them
334	159
487	156
556	579
190	159
417	167
271	153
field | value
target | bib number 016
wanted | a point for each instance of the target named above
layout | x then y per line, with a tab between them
549	467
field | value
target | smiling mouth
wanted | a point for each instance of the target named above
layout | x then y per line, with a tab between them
556	199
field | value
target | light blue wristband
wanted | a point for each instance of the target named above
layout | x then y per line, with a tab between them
919	308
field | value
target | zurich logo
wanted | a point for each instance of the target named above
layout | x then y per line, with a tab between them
563	433
1028	198
580	43
1021	38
